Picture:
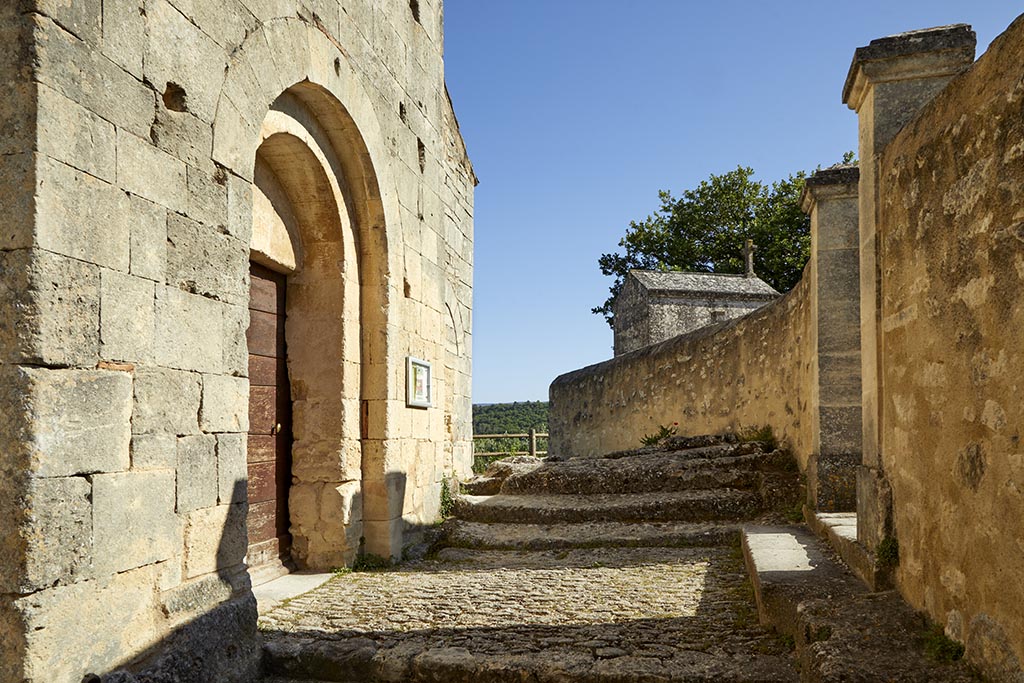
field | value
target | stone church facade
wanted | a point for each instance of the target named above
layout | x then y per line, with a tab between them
224	228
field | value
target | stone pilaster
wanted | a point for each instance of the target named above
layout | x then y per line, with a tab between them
830	197
889	82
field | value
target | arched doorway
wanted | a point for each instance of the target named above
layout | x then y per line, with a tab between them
306	248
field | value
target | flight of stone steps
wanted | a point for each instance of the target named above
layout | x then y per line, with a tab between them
686	491
595	569
625	568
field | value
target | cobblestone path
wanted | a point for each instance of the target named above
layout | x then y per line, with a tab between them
596	614
666	612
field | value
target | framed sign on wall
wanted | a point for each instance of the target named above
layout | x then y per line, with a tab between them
419	383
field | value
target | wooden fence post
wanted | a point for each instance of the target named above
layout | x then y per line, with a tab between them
533	442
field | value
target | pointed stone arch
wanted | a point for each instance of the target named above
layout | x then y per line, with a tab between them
290	92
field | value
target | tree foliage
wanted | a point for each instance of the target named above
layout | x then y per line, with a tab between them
704	230
510	418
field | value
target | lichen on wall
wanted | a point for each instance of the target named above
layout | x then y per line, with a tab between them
951	227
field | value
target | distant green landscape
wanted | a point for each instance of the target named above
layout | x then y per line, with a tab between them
509	418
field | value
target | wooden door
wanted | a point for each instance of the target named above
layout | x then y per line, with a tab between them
270	417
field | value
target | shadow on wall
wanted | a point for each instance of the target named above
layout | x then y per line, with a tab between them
214	637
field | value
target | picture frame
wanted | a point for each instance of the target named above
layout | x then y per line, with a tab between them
419	383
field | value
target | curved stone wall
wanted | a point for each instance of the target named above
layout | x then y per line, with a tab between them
752	371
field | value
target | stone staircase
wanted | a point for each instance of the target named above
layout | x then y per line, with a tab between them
597	569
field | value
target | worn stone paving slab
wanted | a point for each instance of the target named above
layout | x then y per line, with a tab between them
842	632
710	467
588	535
604	614
690	506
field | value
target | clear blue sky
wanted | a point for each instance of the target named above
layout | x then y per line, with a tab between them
576	112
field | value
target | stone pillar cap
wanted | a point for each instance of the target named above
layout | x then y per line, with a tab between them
956	38
832	182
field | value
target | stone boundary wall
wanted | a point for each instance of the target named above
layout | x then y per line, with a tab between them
951	228
752	371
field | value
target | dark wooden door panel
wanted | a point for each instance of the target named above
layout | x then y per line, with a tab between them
264	336
262	482
262	448
264	293
262	521
269	420
263	371
263	410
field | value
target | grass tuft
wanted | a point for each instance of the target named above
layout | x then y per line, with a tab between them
941	647
888	552
368	562
764	434
447	508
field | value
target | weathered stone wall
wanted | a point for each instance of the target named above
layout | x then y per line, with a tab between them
748	372
644	316
951	205
632	321
672	317
126	179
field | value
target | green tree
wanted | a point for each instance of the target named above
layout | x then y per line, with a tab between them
704	231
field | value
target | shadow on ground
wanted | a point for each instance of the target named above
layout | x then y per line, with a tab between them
586	614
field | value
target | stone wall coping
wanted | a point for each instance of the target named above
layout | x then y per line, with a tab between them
835	182
894	49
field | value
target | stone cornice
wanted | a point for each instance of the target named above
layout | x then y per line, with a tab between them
934	52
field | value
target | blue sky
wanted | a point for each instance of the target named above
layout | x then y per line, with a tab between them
576	112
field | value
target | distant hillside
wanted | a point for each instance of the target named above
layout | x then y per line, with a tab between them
510	418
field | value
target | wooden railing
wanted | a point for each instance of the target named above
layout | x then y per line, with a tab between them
530	436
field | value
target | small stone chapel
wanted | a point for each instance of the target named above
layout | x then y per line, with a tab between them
656	305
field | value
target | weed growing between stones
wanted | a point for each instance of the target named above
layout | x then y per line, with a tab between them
663	434
447	507
368	562
795	514
941	647
765	434
820	633
746	615
888	552
786	641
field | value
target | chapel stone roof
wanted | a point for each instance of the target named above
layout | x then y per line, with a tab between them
721	284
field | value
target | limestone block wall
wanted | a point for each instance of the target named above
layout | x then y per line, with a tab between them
751	371
644	316
126	200
672	317
632	321
951	206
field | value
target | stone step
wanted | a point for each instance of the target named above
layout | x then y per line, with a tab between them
640	474
840	530
462	534
840	629
683	506
362	661
677	443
